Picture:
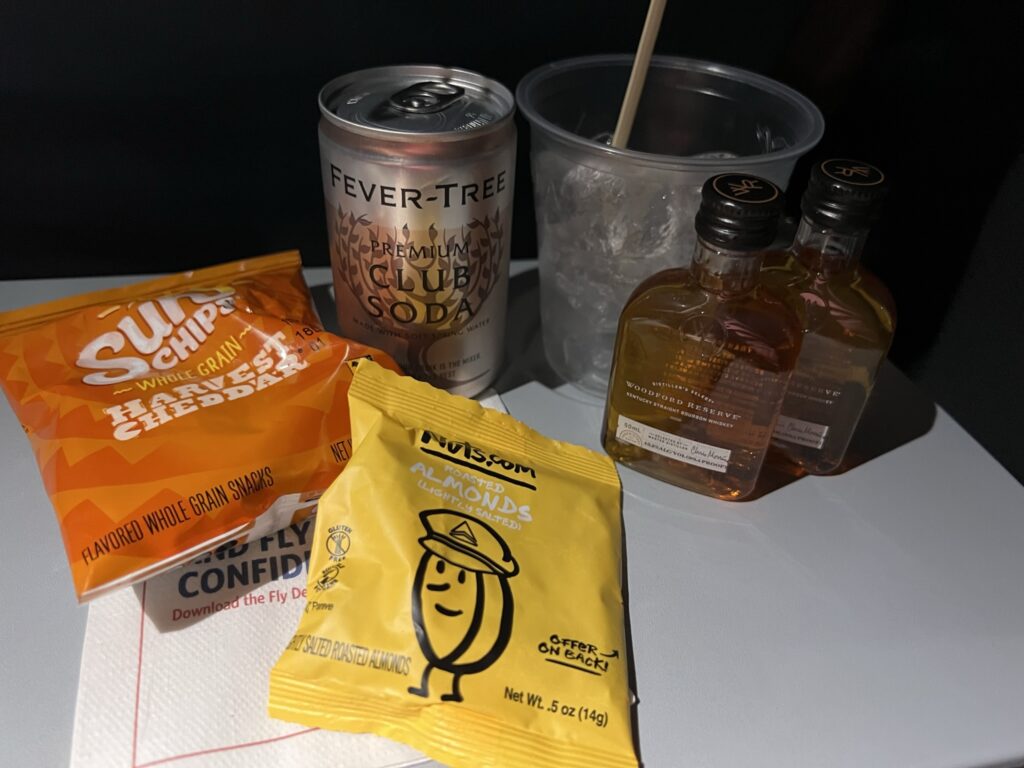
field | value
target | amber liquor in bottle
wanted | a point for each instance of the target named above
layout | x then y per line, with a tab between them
703	354
849	315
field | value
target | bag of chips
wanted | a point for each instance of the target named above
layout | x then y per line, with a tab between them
464	589
176	414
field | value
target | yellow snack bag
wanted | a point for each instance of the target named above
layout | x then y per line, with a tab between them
464	589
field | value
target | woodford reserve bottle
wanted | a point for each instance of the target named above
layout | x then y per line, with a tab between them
849	319
703	354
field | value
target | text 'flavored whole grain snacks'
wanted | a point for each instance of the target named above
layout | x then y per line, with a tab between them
464	589
173	415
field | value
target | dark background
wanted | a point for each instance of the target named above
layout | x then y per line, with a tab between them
160	136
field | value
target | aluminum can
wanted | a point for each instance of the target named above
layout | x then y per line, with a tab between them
418	167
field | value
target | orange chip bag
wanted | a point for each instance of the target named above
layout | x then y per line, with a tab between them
173	415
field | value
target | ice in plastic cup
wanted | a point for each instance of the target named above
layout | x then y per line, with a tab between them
608	218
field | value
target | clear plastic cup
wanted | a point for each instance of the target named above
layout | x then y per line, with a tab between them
608	218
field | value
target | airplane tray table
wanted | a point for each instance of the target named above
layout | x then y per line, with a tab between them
874	617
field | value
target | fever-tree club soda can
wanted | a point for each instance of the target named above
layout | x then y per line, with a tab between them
418	165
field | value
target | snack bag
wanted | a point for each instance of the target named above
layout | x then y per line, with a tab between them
174	415
464	589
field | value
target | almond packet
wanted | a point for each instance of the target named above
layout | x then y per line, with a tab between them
173	415
464	589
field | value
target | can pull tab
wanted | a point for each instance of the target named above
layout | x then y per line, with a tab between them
426	97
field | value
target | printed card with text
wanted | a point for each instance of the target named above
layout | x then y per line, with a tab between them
175	670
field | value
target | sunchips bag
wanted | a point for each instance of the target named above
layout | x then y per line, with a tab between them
464	589
173	415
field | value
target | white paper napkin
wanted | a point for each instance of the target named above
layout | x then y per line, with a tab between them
175	671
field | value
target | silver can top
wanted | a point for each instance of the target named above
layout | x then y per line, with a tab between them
416	102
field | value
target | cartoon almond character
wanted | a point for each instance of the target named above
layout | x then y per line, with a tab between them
461	603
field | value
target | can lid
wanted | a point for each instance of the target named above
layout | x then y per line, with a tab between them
844	194
414	102
739	212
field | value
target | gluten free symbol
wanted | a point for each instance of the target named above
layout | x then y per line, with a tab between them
338	542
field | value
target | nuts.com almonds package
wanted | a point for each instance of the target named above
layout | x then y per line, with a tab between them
464	589
173	415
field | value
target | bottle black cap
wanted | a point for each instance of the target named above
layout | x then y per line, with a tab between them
844	194
739	212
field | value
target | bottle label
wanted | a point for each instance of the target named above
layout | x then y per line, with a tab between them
674	447
800	432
